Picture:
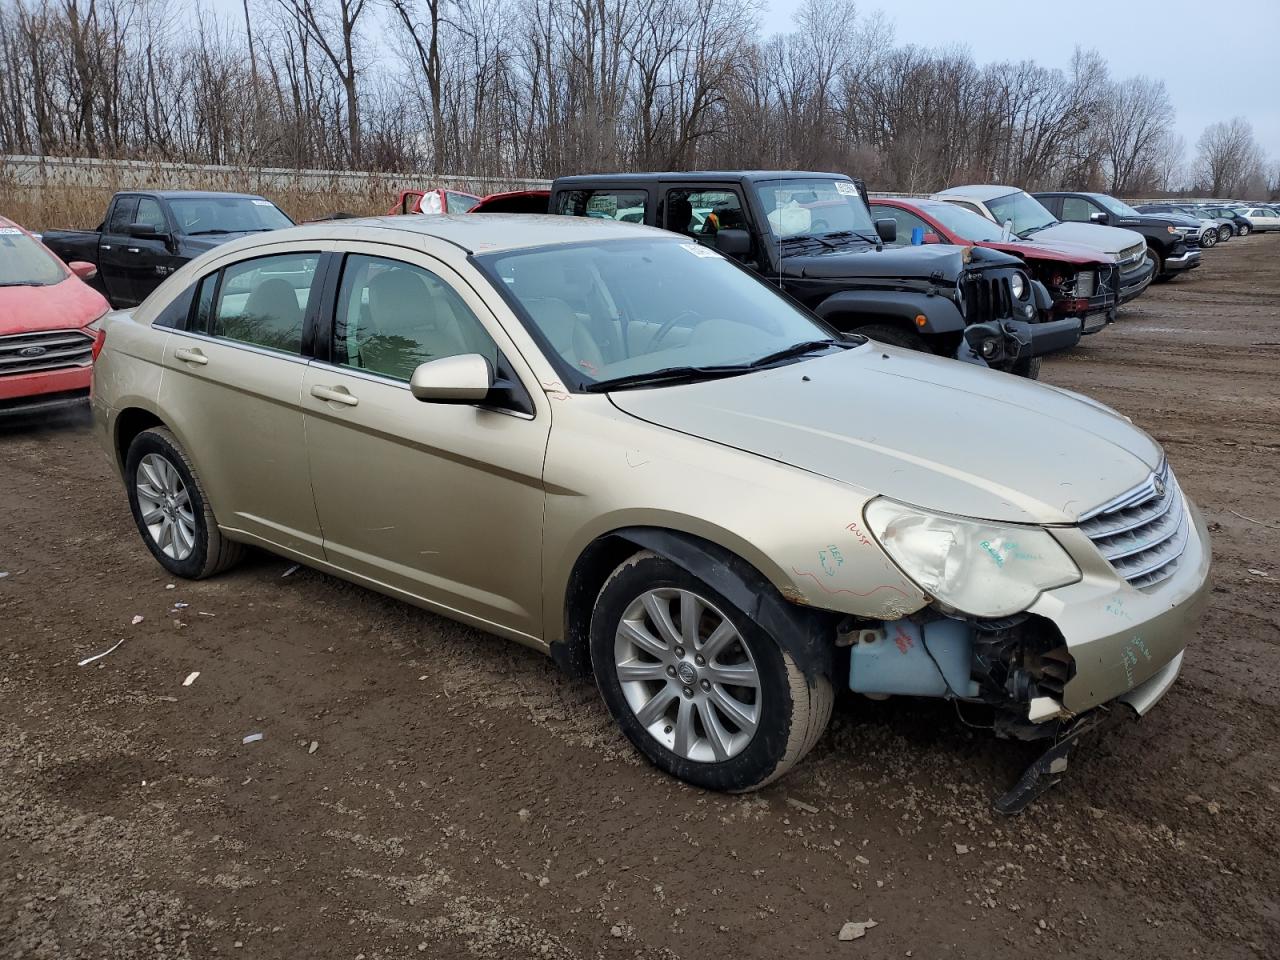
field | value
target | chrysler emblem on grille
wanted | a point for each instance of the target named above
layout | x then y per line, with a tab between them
32	352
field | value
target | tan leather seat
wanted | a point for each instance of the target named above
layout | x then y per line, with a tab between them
272	315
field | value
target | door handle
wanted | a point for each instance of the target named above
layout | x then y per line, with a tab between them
106	246
191	355
133	250
335	394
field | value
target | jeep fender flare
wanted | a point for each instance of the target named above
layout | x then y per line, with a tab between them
899	307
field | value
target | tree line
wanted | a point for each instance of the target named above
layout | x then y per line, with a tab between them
539	88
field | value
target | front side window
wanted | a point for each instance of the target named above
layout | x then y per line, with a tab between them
214	215
393	316
1076	210
24	262
625	308
813	207
1118	207
263	301
628	206
460	202
1027	213
150	215
906	222
122	214
704	213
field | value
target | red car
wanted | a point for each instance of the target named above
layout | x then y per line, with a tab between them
1082	282
454	201
48	325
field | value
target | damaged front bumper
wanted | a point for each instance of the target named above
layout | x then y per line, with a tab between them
1076	652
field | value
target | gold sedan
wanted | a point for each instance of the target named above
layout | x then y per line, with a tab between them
614	445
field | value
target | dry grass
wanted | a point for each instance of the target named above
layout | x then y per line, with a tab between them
78	207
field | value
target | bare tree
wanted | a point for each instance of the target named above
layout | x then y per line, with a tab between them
1227	155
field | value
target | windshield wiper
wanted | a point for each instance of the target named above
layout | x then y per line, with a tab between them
807	238
209	233
668	375
22	283
1030	230
795	350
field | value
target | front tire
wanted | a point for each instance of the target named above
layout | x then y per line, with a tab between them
706	694
1209	239
1157	266
1028	367
1225	233
171	510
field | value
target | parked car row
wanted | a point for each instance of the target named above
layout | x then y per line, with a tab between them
727	477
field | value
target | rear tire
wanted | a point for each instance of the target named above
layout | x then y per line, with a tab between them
1243	230
1225	233
171	510
680	708
894	336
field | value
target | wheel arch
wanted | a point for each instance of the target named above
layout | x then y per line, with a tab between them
807	633
130	422
897	308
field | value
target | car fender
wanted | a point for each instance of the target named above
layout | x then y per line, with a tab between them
898	306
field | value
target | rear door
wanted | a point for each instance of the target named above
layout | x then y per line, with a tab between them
113	255
233	382
443	502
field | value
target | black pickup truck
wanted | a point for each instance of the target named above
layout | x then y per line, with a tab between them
146	235
1172	247
812	235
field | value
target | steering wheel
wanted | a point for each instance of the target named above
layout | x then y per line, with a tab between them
820	225
667	325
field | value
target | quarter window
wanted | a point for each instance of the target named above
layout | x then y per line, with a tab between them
628	206
393	316
263	301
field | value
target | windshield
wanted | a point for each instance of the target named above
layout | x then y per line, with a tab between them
211	215
965	223
813	207
26	262
623	308
1118	207
1026	212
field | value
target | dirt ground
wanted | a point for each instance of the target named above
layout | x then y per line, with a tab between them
422	789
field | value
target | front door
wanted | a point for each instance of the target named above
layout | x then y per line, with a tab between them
113	252
233	380
441	501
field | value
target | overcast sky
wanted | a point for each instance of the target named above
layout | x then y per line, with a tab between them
1218	58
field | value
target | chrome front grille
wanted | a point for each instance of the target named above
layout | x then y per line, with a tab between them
1142	533
1132	257
45	350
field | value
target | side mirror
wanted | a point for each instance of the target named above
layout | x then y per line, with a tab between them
1098	217
931	237
887	230
145	231
733	242
465	378
85	271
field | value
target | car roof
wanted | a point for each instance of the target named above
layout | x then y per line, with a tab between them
924	203
981	192
472	232
189	194
697	176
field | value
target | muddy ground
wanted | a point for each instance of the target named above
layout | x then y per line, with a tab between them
464	799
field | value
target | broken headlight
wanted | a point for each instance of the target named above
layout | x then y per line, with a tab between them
977	567
1086	281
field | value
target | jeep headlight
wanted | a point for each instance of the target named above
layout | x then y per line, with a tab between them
1019	286
981	568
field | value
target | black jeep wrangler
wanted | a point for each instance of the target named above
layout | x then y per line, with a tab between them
812	235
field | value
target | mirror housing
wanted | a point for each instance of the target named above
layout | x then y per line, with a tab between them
887	230
733	242
1098	217
465	378
85	271
145	231
931	237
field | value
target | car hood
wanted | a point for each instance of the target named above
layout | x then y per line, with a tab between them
892	262
205	244
1107	239
1036	248
69	304
948	436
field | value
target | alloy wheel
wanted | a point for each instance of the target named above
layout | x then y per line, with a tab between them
687	675
1244	230
165	506
1209	239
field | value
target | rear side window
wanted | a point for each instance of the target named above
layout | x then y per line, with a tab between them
264	301
122	215
629	206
